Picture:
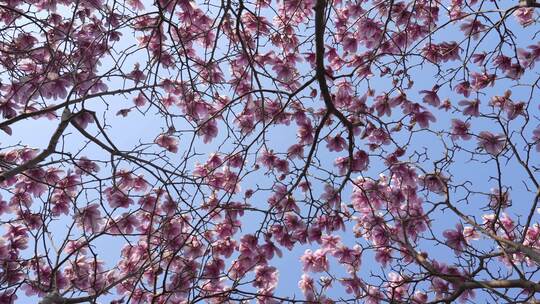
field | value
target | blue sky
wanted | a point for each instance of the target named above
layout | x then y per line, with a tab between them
127	132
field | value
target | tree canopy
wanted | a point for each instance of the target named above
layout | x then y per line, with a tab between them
293	151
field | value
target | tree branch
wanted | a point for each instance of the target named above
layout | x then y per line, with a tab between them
529	3
320	69
67	116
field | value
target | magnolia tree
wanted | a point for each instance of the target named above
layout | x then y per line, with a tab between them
313	151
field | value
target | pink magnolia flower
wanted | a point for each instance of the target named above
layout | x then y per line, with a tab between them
56	88
507	222
460	129
369	31
266	277
336	143
360	162
431	97
446	105
284	71
330	242
423	118
442	52
214	161
208	130
470	234
472	27
502	62
213	269
482	80
533	236
117	199
463	88
431	52
331	196
515	71
491	143
536	138
449	51
86	166
472	107
90	218
397	286
148	202
124	224
307	285
268	159
350	44
168	101
376	296
514	109
527	58
140	183
236	160
140	100
20	199
479	58
305	132
383	256
420	298
170	143
296	151
455	238
8	108
4	207
8	297
353	285
136	4
348	256
83	119
524	15
23	155
382	105
314	261
137	75
125	180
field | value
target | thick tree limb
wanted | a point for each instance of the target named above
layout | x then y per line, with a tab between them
53	108
320	68
529	3
66	118
462	284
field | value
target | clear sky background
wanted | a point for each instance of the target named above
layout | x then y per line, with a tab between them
144	127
